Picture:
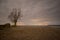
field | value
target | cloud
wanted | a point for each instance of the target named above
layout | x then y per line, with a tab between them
34	11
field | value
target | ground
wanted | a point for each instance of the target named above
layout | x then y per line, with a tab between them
30	33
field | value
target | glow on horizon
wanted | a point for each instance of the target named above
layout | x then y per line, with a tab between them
36	23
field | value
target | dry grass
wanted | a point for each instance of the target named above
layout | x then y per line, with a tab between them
30	33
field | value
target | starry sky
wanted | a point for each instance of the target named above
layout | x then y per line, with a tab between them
35	12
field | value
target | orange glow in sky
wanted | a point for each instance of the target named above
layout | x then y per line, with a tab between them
33	22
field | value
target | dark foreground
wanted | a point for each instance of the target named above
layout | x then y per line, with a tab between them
30	33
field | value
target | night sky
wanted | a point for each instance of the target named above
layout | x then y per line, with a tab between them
35	12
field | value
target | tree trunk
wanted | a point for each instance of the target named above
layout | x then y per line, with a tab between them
15	24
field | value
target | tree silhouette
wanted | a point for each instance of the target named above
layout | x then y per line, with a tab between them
15	15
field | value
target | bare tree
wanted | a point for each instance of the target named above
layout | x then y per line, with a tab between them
14	16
